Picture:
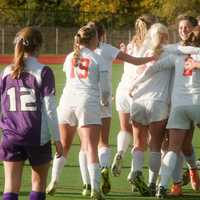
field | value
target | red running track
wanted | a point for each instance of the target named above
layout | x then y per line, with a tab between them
46	59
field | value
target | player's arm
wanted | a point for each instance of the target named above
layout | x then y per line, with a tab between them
135	60
49	101
163	64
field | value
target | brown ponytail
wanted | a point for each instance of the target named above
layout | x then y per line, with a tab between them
27	41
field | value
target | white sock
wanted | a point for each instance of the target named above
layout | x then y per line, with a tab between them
57	167
83	167
178	170
137	160
95	175
167	167
191	160
124	139
104	154
154	166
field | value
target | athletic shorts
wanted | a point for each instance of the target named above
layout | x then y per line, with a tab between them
123	100
146	112
79	114
183	117
36	155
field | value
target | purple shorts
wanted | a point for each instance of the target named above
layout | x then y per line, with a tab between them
37	155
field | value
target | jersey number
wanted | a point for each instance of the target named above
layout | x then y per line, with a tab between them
27	99
82	69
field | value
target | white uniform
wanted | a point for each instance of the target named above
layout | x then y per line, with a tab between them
108	53
185	100
80	101
130	73
151	99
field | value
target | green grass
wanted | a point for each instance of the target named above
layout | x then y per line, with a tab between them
70	182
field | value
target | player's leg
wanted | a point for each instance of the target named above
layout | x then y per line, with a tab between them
156	131
124	139
67	134
176	138
90	133
189	154
84	166
104	154
12	176
135	176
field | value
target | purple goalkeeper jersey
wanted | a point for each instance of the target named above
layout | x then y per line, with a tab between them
23	117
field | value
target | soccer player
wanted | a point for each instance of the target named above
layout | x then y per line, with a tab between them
185	107
124	137
79	105
28	109
149	112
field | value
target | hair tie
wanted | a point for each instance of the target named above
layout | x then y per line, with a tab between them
19	39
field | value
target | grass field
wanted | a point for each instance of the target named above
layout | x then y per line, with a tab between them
70	182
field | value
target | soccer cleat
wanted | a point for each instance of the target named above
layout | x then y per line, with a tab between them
176	190
105	186
97	195
86	190
152	189
116	166
51	188
185	177
161	193
136	178
194	179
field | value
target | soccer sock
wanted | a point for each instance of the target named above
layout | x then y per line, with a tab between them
178	170
154	166
167	167
137	160
95	175
124	139
37	196
83	167
58	165
191	160
104	154
10	196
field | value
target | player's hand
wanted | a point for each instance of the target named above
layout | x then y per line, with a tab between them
59	149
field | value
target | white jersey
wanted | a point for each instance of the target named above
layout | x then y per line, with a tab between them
109	54
130	70
186	88
84	80
157	87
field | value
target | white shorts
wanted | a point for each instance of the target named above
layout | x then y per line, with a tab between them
123	100
79	114
183	117
146	112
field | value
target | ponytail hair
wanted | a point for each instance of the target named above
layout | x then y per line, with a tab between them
83	37
142	24
27	41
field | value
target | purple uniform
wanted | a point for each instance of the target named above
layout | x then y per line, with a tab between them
28	109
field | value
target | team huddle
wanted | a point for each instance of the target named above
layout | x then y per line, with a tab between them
157	99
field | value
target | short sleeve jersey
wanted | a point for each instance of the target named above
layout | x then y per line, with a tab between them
85	77
22	102
109	54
